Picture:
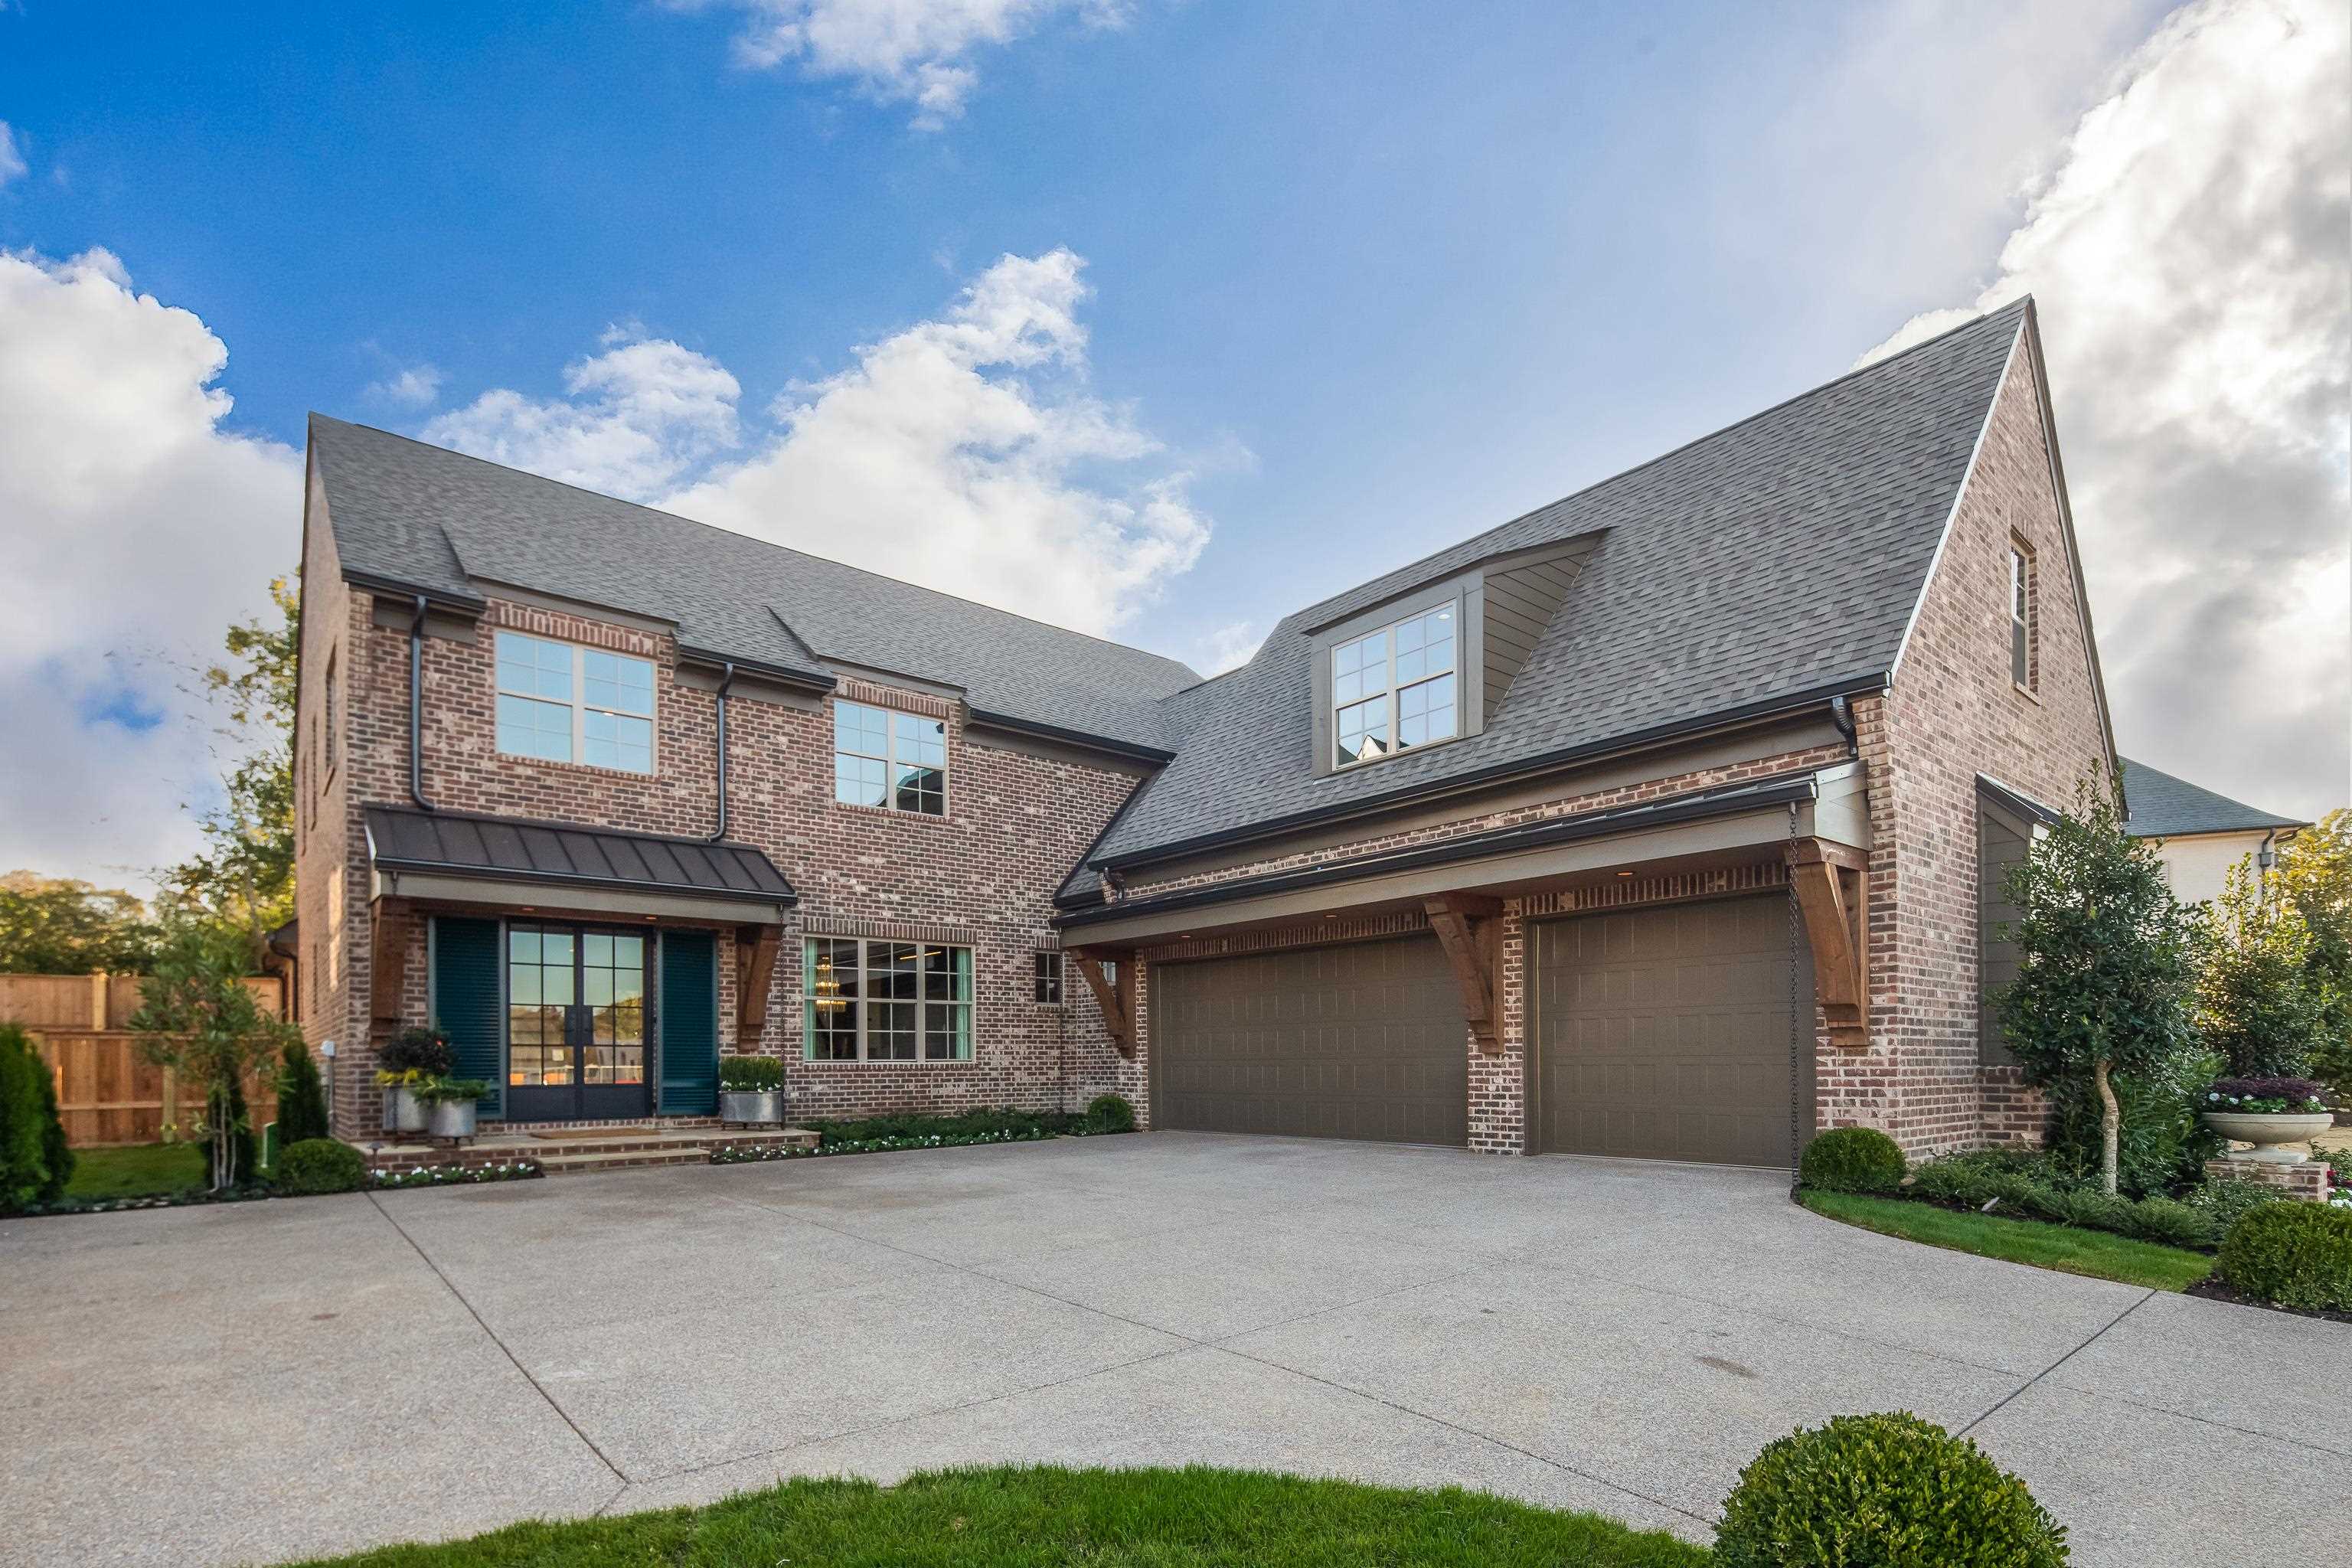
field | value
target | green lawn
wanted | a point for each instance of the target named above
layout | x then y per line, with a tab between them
1104	1519
2064	1248
141	1171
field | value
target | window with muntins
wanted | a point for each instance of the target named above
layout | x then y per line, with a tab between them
2020	617
1397	687
1049	980
870	999
566	704
885	758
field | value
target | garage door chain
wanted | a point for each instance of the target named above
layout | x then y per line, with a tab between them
1796	1059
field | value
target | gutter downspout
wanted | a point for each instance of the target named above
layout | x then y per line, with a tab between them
726	681
417	707
1842	715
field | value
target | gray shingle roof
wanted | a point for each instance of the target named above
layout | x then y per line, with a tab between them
1776	557
454	844
420	515
2163	806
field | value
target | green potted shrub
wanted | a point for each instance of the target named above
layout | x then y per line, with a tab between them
409	1060
450	1105
751	1090
2279	1116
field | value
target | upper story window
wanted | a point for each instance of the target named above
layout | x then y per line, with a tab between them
1396	688
567	704
334	708
2021	616
883	757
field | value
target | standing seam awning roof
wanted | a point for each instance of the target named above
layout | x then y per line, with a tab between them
450	844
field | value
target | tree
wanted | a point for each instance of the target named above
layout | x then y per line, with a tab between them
53	925
200	1018
35	1162
2104	966
2262	1002
243	879
301	1097
2314	872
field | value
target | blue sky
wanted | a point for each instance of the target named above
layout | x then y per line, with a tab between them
1352	280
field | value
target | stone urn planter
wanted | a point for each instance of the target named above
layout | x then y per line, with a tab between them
2277	1115
2277	1136
750	1090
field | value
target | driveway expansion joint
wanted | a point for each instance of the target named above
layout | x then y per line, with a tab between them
491	1334
2004	1404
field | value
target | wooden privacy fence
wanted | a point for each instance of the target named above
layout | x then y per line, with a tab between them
108	1094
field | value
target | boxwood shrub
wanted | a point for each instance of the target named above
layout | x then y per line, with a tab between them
320	1165
1887	1488
1852	1160
1110	1113
2295	1254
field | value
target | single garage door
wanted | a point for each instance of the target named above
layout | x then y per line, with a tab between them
1364	1040
1663	1033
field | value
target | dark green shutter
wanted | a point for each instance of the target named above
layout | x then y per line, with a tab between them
466	992
689	1024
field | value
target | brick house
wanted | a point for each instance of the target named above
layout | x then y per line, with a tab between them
1657	822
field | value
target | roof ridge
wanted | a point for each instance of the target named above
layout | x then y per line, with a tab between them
2021	301
749	539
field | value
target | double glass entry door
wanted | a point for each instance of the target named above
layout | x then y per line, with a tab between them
575	1024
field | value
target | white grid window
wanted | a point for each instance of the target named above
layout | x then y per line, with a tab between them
882	757
881	1001
2020	617
1395	689
566	704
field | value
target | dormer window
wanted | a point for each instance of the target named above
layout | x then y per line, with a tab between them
1395	689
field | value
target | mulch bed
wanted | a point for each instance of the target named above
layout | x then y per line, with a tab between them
2214	1289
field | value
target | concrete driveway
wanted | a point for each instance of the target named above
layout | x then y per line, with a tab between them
252	1383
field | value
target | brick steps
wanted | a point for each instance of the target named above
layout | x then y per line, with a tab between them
618	1148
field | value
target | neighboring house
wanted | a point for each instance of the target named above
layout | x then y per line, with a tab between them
2199	834
1651	822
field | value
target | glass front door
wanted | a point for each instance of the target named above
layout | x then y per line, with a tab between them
575	1024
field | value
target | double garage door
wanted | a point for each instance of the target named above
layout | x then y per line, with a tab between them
1661	1033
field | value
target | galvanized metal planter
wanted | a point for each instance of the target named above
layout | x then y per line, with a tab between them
2277	1136
453	1119
751	1107
407	1111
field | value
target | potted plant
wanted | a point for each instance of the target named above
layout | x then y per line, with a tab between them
2277	1115
750	1090
409	1060
450	1104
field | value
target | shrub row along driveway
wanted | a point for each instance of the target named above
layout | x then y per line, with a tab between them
243	1384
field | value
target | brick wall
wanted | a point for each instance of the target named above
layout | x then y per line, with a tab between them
1954	712
983	875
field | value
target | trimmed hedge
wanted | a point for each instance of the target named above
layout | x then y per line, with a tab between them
1888	1488
1852	1160
2295	1254
2016	1183
974	1123
318	1166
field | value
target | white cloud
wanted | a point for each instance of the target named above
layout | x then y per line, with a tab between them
12	157
2188	253
966	454
135	528
639	416
899	51
415	386
1228	647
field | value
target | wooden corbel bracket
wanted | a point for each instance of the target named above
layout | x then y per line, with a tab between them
755	969
1832	884
1469	928
1110	995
